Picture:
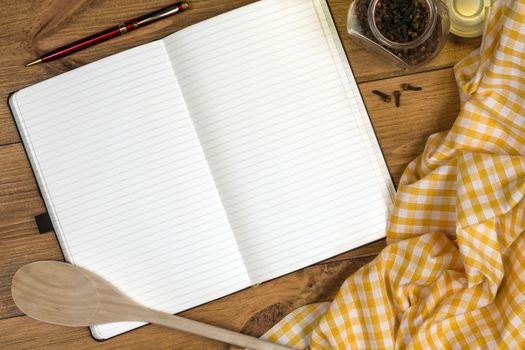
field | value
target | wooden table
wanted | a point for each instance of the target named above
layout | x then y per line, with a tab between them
31	27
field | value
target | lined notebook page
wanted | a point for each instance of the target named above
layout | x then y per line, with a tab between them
127	184
285	133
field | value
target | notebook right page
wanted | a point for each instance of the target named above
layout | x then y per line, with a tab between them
285	133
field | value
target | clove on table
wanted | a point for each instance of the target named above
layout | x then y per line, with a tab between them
408	87
397	93
384	97
397	96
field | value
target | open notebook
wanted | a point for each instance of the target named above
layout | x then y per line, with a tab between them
230	153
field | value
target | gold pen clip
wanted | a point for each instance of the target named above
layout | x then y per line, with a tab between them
167	12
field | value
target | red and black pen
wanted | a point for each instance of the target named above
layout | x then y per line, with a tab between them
109	33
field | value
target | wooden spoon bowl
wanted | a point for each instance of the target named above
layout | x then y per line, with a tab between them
38	292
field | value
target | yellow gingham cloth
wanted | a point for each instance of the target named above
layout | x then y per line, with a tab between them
453	273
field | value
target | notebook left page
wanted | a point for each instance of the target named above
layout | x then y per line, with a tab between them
126	183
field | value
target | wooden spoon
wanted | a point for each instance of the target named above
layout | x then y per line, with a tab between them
67	295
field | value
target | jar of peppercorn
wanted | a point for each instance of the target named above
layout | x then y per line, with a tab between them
409	32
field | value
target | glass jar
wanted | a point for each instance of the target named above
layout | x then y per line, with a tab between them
410	33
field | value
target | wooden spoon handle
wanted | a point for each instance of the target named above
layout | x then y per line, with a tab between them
212	332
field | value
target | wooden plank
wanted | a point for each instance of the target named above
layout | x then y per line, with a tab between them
402	132
19	198
33	27
262	306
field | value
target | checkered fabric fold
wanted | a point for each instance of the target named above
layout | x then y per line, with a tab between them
453	273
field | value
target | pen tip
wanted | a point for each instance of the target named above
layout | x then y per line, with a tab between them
34	62
185	6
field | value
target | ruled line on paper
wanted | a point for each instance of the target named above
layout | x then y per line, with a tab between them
74	181
374	227
326	251
150	248
251	14
325	214
162	211
293	162
243	229
291	197
121	154
241	98
118	188
259	145
236	198
114	145
90	93
256	54
220	257
116	106
235	116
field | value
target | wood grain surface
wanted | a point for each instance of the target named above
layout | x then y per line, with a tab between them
31	27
